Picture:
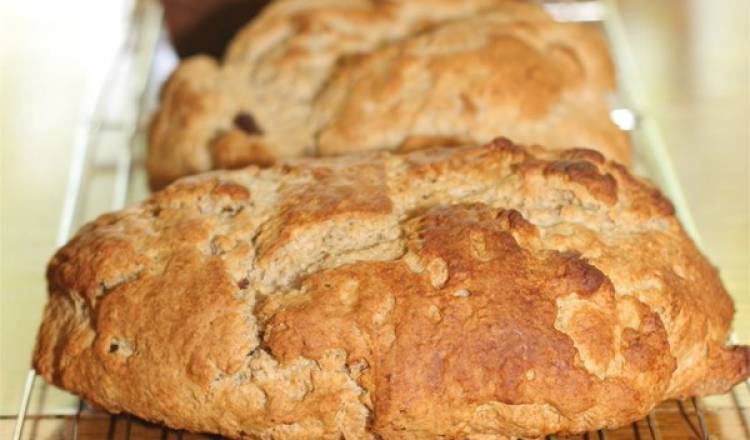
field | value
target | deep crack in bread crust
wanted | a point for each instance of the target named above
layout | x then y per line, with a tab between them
479	292
307	78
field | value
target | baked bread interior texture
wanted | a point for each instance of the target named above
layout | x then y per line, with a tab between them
325	77
484	292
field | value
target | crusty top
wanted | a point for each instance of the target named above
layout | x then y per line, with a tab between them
492	290
317	77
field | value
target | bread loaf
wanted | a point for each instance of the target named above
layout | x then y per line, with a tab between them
320	77
478	292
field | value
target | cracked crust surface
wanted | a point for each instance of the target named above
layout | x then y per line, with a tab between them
307	78
461	292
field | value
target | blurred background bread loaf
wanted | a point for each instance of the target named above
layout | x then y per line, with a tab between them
328	77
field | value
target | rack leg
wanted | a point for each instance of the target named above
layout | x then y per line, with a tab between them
21	418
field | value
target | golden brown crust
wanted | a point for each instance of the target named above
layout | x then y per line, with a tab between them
454	292
470	80
326	77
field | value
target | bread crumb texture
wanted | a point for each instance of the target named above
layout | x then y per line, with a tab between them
324	77
477	292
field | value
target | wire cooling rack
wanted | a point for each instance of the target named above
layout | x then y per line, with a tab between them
107	172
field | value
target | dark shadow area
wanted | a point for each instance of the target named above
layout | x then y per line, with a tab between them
197	26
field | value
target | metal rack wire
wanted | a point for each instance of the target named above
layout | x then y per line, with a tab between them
138	72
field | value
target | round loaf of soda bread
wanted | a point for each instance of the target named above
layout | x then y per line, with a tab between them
479	292
324	77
